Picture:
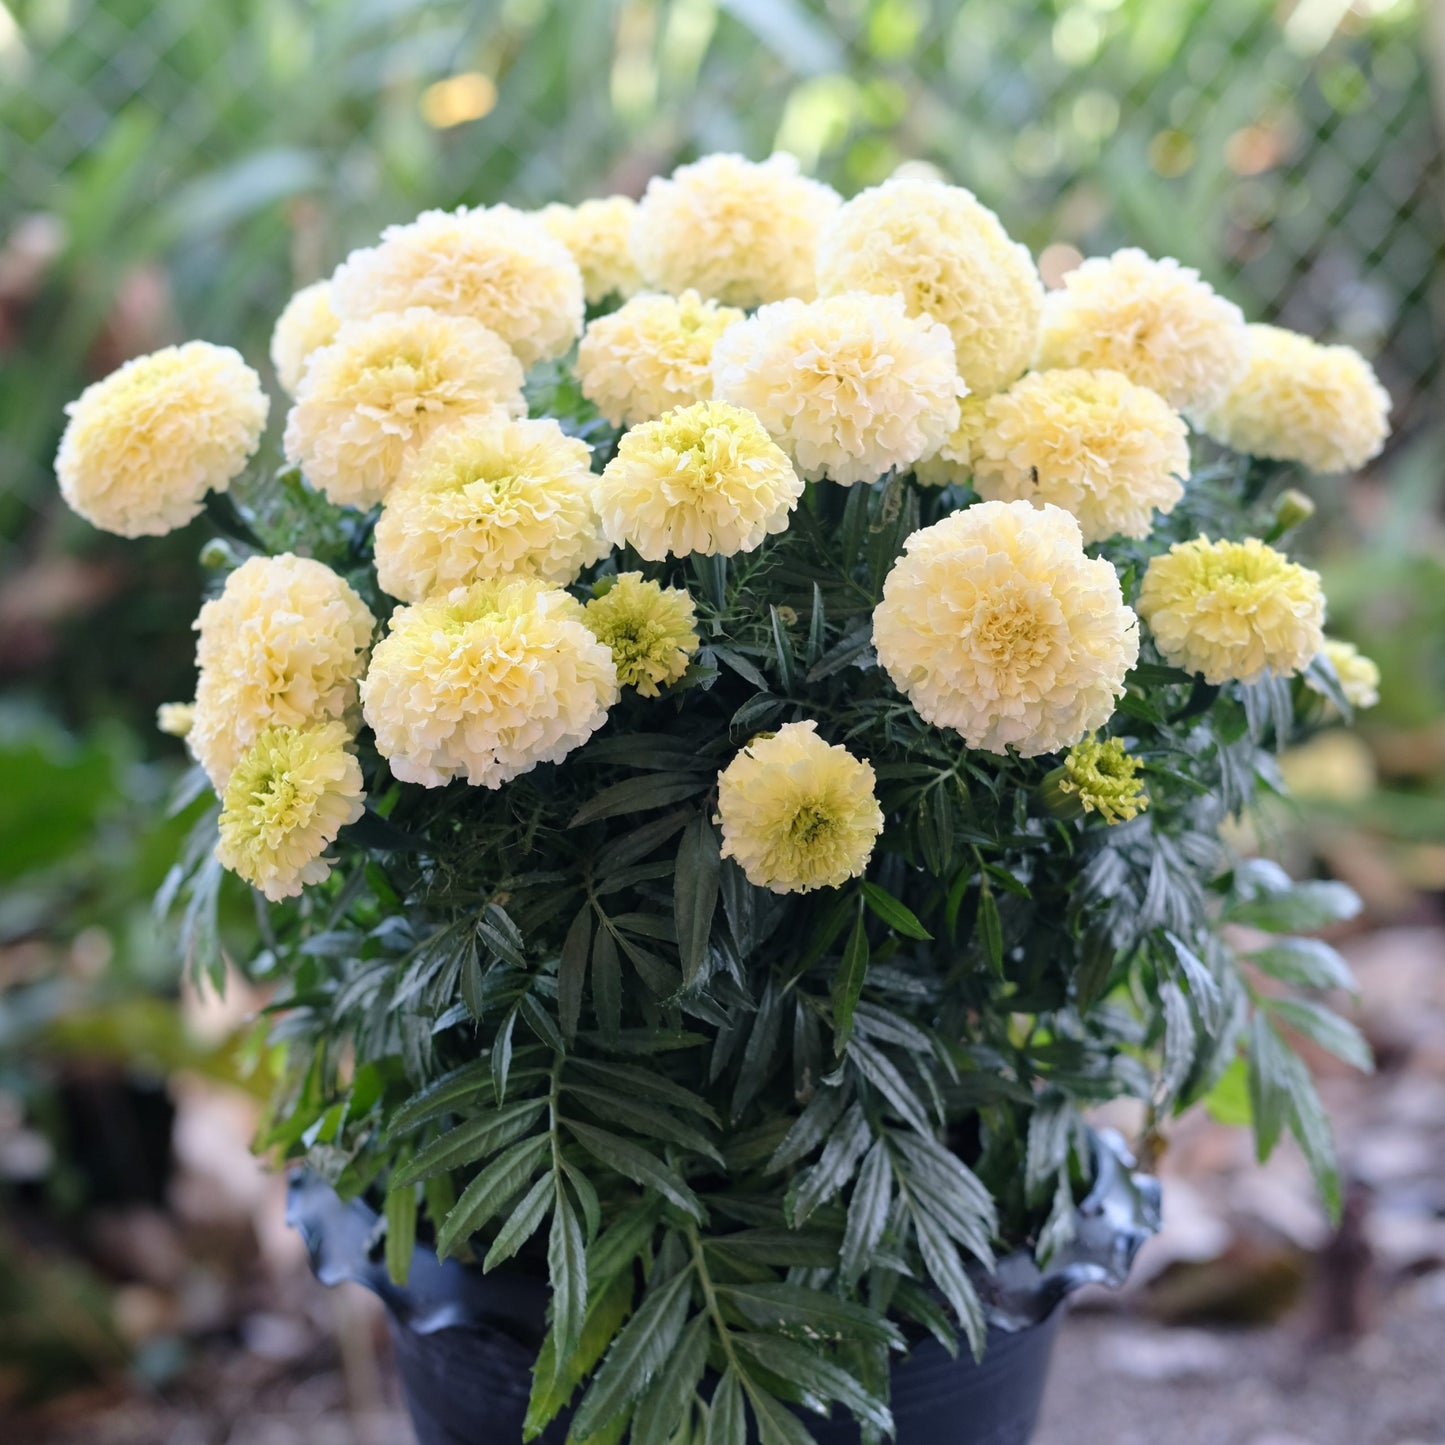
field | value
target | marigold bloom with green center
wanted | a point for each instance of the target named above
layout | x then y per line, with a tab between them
705	478
489	497
650	629
144	446
1098	777
1359	675
485	683
1232	610
796	812
292	791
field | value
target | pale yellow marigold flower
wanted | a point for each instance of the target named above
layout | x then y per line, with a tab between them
486	498
1155	321
954	461
291	792
797	813
995	623
1097	777
370	399
1359	676
143	447
1091	442
851	386
1302	402
495	265
650	629
598	233
704	478
740	231
486	683
1232	610
283	644
306	324
951	260
175	719
650	355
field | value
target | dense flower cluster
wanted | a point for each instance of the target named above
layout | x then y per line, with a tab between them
1233	610
1302	402
850	386
650	355
1092	442
143	447
704	478
950	259
284	644
738	231
486	498
1155	321
495	265
650	630
485	683
369	400
796	812
291	792
598	233
996	624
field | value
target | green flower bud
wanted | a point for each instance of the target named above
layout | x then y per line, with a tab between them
1096	777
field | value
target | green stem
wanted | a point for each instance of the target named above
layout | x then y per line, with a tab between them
709	1294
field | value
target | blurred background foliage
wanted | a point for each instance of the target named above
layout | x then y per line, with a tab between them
173	168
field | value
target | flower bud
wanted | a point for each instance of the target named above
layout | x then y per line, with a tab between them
1293	509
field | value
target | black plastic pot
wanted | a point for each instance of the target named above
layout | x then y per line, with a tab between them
465	1341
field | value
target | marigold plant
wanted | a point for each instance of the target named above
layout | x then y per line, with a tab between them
733	794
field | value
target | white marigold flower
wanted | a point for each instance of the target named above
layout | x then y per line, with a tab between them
739	231
950	259
955	460
1359	675
705	478
1298	401
369	401
495	265
486	498
650	355
1091	442
651	631
307	322
996	624
851	386
798	813
598	233
487	682
291	792
1155	321
143	447
284	644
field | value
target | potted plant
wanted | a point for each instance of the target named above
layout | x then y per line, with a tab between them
729	796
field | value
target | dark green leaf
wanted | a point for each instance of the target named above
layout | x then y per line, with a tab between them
816	1373
642	1081
867	1213
848	983
881	1072
945	1268
664	1404
639	795
1299	909
496	929
777	1425
1269	1082
989	926
635	1163
572	971
898	917
400	1213
695	891
810	1128
643	1118
606	983
502	1056
490	1191
471	1141
1305	962
439	1096
523	1223
727	1421
813	1313
1326	1028
567	1275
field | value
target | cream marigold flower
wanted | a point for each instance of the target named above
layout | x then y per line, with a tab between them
650	355
494	264
486	498
651	631
1232	610
1302	402
1098	777
996	624
1155	321
950	259
175	719
598	233
797	813
740	231
307	322
283	644
486	683
954	461
143	447
1359	676
370	399
291	792
851	386
1091	442
704	478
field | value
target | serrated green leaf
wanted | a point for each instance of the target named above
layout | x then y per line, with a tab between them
667	1399
810	1128
635	1080
502	1056
496	929
695	893
1269	1081
990	926
848	983
882	1073
606	983
1325	1028
524	1222
815	1313
572	972
567	1275
490	1191
945	1268
777	1425
835	1167
636	1164
867	1213
471	1141
1051	1131
1305	962
816	1373
551	1387
639	795
400	1211
439	1096
1301	908
643	1118
727	1421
